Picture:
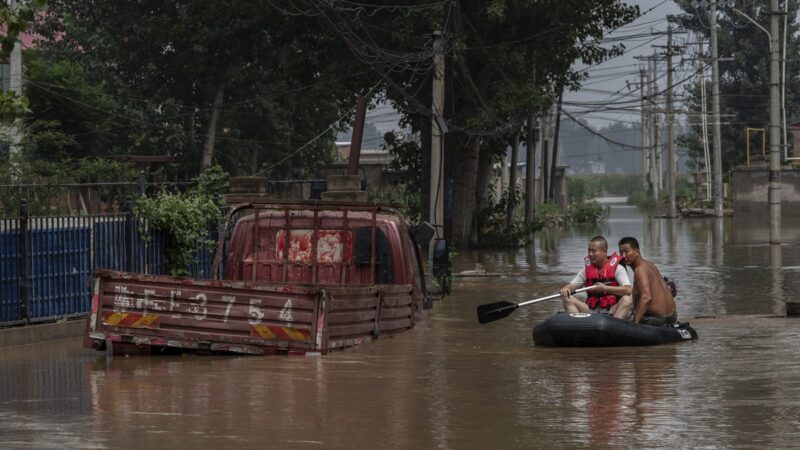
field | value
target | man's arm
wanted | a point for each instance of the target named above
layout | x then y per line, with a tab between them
619	291
568	289
645	294
623	281
576	282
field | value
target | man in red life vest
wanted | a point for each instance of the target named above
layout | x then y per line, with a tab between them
612	292
653	301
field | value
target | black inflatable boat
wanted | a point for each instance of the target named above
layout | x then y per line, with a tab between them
602	330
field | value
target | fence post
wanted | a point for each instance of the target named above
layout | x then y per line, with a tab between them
129	240
24	261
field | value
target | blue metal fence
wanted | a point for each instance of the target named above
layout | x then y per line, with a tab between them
62	252
9	270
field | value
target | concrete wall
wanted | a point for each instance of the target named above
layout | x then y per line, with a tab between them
32	334
750	192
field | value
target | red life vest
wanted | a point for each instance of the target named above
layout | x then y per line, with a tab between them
605	275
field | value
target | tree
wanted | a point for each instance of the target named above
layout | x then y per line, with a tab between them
194	77
67	112
508	57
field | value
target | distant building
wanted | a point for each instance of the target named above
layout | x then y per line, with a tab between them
373	161
597	167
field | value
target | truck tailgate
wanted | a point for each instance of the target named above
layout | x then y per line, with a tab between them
242	317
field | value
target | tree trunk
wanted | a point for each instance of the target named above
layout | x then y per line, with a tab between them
512	182
483	185
211	133
551	193
464	170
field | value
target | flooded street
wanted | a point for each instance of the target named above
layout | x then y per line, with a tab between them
454	384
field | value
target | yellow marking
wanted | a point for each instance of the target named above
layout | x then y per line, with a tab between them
114	318
296	335
146	321
263	331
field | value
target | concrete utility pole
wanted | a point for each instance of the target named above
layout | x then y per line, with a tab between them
358	135
656	159
671	165
437	134
704	120
717	159
15	63
645	134
774	126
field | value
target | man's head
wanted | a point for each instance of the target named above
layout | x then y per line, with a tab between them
598	251
629	249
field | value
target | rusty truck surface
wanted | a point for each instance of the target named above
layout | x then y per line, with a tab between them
293	278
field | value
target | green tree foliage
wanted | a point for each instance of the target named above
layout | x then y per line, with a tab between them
744	76
186	217
509	57
68	114
493	225
274	79
279	73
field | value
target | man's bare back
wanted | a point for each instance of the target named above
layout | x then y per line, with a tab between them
652	298
651	295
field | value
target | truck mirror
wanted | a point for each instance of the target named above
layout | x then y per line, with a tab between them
423	233
441	258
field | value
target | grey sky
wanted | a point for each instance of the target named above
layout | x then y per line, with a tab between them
608	82
604	79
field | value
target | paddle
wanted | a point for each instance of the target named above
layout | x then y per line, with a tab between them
495	311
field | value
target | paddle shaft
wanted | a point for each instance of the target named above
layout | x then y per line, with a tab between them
550	297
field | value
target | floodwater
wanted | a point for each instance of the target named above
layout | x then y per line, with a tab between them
454	384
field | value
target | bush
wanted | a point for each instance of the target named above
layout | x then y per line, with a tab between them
185	217
587	212
548	215
493	228
406	200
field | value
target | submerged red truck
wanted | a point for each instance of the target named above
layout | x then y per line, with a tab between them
295	277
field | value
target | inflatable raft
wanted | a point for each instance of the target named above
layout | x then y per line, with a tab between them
602	330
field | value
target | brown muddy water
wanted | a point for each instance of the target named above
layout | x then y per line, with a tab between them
454	384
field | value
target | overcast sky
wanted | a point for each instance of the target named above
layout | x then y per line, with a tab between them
614	83
607	82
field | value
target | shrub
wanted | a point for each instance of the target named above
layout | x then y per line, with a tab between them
185	217
587	212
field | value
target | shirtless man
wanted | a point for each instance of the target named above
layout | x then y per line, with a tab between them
612	292
653	303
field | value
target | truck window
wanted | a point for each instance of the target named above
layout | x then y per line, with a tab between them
384	260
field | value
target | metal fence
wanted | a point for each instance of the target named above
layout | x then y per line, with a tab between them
46	262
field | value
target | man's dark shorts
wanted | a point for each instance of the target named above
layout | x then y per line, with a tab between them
657	321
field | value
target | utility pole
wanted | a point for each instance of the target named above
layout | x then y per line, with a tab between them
358	135
704	120
656	159
15	75
774	126
671	167
717	159
649	124
437	134
544	167
552	184
645	136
